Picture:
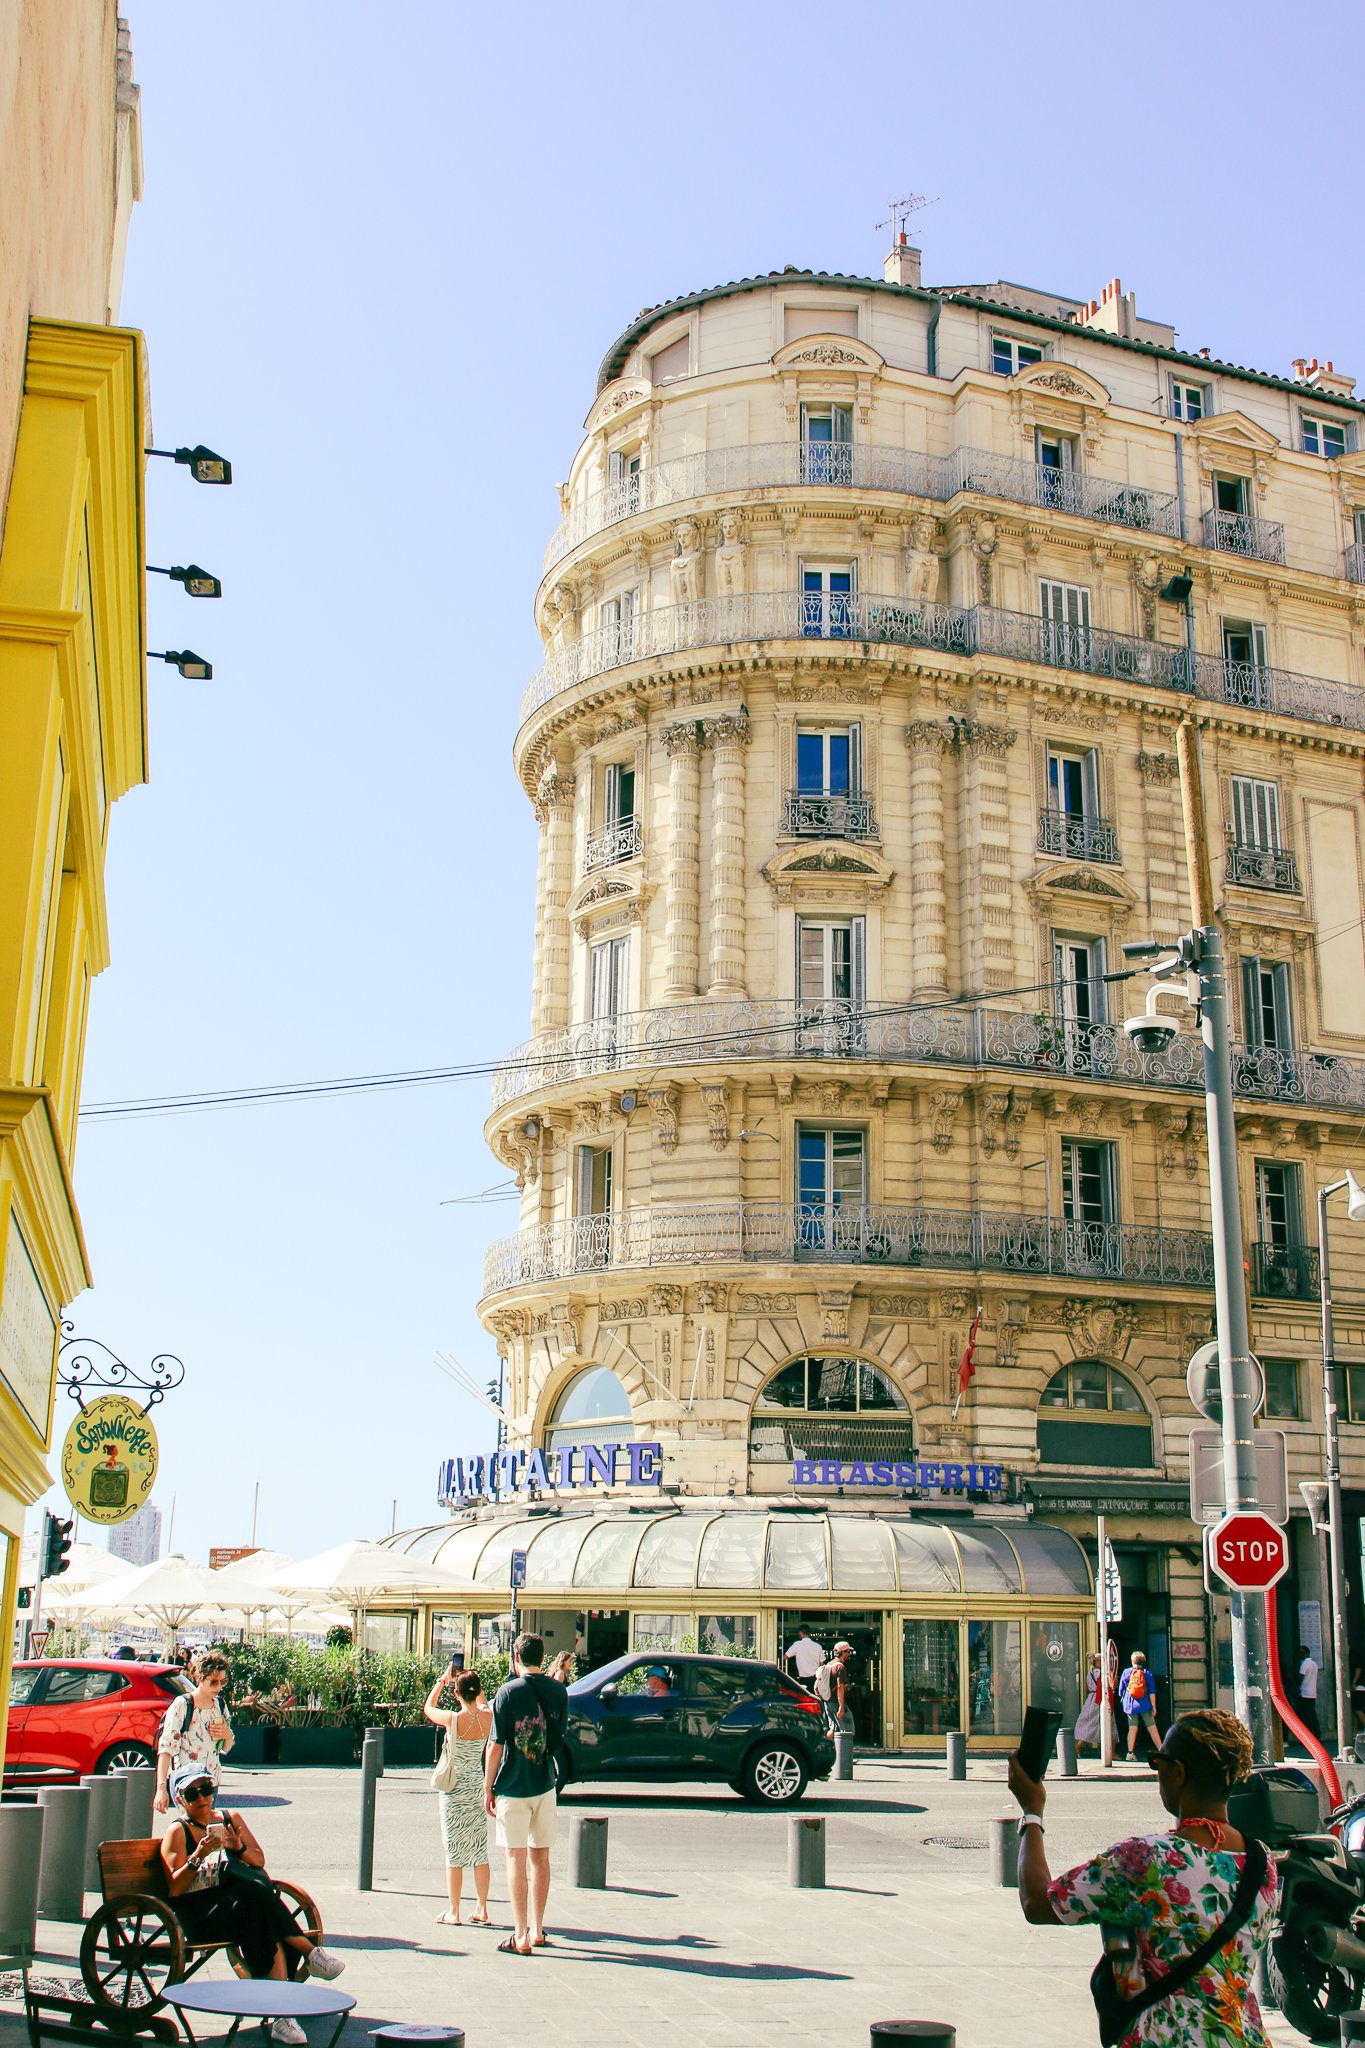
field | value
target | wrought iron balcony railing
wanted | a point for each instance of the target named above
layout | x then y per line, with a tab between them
899	622
1323	1079
1237	533
1287	1271
1355	562
621	840
859	466
871	1235
1262	867
1073	835
831	814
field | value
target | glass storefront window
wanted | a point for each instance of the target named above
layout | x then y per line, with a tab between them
668	1554
728	1635
549	1560
387	1632
988	1563
926	1557
492	1634
496	1556
662	1632
1054	1667
608	1553
862	1554
929	1668
995	1689
1053	1561
447	1636
796	1554
732	1551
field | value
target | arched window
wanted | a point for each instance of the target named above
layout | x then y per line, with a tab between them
592	1409
836	1407
1089	1414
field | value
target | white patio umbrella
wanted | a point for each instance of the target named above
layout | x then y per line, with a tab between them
355	1574
87	1564
245	1585
171	1591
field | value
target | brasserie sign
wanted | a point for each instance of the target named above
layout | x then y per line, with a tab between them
906	1476
569	1470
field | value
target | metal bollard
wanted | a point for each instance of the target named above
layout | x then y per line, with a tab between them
139	1814
957	1756
1352	2026
843	1757
1005	1853
371	1764
61	1873
806	1853
21	1854
1066	1753
419	2037
929	2033
588	1851
377	1735
108	1805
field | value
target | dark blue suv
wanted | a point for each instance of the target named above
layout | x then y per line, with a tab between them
667	1716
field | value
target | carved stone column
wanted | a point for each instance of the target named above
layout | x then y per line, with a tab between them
682	928
554	808
728	736
928	892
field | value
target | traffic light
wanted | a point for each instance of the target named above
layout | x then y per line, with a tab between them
57	1536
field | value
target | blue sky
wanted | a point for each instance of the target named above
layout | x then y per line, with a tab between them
379	258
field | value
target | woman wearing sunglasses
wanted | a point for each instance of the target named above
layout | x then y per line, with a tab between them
216	1875
1185	1912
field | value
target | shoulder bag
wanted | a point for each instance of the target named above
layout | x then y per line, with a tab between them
1116	2014
443	1777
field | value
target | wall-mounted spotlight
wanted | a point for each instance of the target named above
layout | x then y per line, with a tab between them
203	465
193	667
1176	589
197	581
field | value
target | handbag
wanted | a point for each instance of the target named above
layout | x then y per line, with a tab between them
443	1777
1116	2014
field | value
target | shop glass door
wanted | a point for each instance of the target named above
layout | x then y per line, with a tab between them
931	1677
1054	1668
995	1691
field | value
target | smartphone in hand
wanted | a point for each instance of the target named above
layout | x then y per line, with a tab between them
1038	1742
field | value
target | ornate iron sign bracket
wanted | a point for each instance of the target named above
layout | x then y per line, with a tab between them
84	1362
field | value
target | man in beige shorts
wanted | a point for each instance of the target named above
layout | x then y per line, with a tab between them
529	1714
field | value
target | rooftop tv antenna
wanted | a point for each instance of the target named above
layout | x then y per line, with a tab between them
901	210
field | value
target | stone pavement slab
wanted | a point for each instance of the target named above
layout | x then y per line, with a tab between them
699	1939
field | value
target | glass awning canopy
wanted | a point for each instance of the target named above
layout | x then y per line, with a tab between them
747	1550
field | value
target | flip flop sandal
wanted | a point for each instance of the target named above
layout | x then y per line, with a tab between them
544	1942
448	1920
508	1947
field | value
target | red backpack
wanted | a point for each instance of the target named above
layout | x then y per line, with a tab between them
1137	1683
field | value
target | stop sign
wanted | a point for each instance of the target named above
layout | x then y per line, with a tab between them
1249	1551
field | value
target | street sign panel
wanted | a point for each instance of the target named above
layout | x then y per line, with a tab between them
1113	1586
518	1568
1202	1384
1208	1501
1249	1552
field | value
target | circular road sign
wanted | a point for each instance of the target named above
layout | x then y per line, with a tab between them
1201	1382
1249	1551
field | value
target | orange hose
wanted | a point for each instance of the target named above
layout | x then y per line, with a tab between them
1286	1712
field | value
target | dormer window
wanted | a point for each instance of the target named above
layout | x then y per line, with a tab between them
1189	401
1009	354
672	362
1323	437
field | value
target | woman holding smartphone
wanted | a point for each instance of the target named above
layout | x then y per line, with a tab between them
464	1824
196	1729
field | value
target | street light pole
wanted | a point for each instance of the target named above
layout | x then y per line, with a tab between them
1335	1563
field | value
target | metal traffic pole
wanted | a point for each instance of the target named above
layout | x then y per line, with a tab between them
1202	950
1102	1605
1341	1652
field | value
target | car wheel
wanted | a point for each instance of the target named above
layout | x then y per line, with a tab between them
774	1775
126	1756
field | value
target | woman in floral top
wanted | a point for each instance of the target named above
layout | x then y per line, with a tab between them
1169	1891
195	1730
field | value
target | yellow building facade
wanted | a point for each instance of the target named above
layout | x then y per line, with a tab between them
853	757
72	668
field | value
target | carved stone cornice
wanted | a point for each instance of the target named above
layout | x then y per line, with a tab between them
731	728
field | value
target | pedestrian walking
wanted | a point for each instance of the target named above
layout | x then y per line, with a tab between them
459	1781
195	1729
529	1715
1087	1729
1186	1913
1308	1690
833	1685
805	1653
563	1668
1137	1697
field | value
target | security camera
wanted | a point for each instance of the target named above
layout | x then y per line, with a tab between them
1152	1031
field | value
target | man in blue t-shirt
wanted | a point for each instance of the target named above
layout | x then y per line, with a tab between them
529	1716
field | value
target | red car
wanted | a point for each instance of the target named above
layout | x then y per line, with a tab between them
84	1714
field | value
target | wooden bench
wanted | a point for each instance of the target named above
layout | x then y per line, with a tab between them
134	1946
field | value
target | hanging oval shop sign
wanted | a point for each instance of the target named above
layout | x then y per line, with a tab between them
109	1459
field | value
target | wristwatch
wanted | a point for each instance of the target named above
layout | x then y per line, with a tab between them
1032	1820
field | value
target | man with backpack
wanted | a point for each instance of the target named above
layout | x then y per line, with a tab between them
832	1686
1137	1697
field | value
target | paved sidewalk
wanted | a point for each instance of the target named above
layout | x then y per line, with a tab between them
700	1939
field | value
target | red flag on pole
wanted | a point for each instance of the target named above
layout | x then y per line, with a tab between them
968	1365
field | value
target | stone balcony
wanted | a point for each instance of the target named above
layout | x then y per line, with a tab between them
1032	1046
856	465
869	620
875	1234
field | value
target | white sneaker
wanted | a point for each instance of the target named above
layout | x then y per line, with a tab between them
322	1963
288	2031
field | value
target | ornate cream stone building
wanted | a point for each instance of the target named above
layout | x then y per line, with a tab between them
853	760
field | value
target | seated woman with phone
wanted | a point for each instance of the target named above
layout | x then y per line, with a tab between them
1184	1912
216	1875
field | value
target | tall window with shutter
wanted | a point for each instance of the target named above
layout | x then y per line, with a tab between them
623	481
1266	1005
1065	610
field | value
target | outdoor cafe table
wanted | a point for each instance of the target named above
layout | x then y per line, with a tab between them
258	1998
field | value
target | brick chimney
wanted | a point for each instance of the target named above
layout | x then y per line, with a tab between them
1322	377
1113	312
902	266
